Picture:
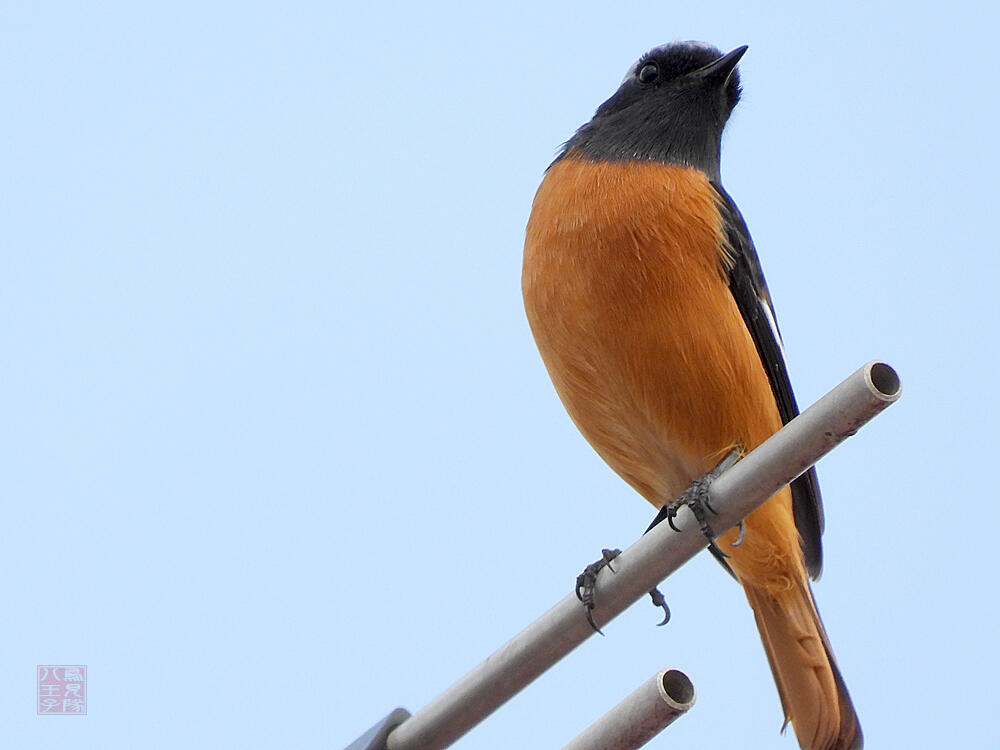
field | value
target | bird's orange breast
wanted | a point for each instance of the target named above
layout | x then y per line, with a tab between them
626	292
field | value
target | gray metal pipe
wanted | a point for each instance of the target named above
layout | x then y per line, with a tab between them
642	715
737	492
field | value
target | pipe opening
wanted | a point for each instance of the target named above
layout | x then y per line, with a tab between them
885	379
677	686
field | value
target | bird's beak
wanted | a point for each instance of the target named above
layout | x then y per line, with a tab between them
720	70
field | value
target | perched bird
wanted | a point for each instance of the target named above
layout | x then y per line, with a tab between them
647	301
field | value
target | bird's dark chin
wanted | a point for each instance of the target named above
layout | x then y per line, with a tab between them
686	133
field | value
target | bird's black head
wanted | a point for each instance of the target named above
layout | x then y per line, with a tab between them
671	107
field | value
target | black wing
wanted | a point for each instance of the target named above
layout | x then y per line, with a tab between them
747	285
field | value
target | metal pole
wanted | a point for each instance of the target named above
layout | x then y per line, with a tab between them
650	709
737	492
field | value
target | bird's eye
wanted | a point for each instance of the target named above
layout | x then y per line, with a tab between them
648	73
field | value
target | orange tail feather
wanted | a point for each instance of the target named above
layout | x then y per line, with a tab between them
813	693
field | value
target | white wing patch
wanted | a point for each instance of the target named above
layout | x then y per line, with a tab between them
772	322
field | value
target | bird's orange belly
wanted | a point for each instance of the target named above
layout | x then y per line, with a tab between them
626	293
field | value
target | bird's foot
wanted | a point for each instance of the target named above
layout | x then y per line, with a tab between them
696	498
587	581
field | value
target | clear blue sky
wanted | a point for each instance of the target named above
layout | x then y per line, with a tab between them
278	453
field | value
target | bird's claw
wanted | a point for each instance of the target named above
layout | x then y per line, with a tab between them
741	536
671	514
704	496
586	583
696	498
659	601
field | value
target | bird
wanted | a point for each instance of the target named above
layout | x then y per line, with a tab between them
645	296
